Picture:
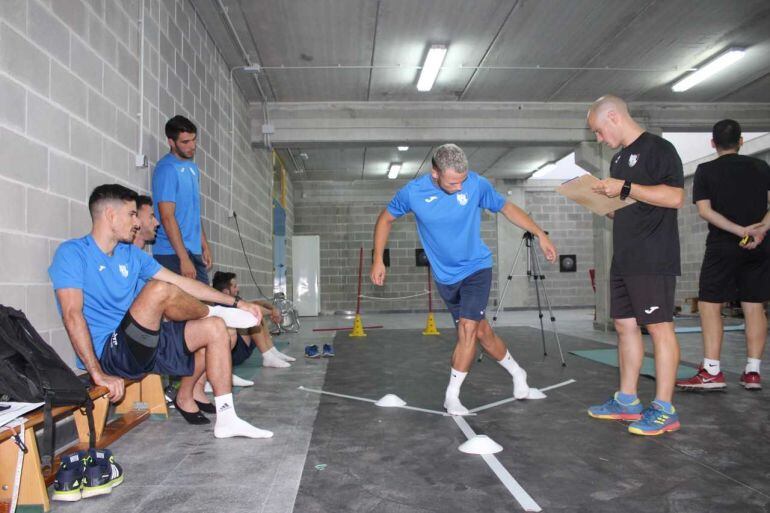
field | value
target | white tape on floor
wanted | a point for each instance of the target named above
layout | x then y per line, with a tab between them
511	399
405	407
521	495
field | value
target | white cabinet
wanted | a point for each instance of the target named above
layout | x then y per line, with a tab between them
306	272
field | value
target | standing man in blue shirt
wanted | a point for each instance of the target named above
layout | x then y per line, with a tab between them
181	244
113	318
447	206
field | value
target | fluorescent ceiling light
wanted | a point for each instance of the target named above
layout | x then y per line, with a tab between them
544	170
395	168
403	148
431	67
724	60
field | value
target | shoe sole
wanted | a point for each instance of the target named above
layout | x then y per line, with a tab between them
617	416
69	496
751	386
636	431
314	356
703	386
101	489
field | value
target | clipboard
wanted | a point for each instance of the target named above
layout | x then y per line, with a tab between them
579	190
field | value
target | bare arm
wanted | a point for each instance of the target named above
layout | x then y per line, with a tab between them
174	234
381	233
718	220
206	252
71	301
520	218
657	195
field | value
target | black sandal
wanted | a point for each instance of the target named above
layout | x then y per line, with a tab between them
196	418
205	407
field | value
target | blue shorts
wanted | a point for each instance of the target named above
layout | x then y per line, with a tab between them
241	352
171	357
171	262
468	297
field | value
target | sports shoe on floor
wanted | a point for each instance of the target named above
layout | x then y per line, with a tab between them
615	410
703	381
102	474
654	421
751	381
328	351
311	351
68	483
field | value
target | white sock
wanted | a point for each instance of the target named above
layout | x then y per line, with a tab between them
509	363
752	365
520	387
456	379
241	382
271	359
229	424
284	357
711	366
233	317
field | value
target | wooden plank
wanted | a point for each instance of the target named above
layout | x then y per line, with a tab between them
32	489
133	394
101	407
153	395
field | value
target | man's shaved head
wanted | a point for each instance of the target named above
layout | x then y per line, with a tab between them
606	104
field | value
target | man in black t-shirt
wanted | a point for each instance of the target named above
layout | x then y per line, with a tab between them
732	193
645	262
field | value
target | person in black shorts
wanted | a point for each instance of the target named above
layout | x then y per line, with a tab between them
645	262
732	193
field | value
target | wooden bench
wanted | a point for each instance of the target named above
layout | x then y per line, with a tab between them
142	399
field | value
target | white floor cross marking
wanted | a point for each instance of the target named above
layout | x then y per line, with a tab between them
515	489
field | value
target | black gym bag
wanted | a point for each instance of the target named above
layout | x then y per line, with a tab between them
31	372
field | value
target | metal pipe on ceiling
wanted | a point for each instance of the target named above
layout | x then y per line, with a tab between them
675	69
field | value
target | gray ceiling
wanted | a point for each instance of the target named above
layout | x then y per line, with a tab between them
634	48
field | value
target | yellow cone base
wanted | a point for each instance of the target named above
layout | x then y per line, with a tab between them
430	327
358	328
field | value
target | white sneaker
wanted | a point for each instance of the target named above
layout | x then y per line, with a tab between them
520	387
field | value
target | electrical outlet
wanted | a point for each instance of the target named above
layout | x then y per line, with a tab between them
140	160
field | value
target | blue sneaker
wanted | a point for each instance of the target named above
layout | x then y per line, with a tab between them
312	351
102	474
655	422
68	483
328	351
615	410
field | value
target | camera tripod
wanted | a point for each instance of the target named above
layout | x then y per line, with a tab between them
534	271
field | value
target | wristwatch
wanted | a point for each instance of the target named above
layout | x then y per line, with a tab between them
626	190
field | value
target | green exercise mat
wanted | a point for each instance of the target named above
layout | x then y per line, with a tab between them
610	357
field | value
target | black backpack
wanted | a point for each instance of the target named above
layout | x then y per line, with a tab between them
31	371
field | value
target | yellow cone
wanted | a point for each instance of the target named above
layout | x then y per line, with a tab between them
358	328
430	327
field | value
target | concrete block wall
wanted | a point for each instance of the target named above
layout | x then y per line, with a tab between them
692	245
570	228
343	214
69	95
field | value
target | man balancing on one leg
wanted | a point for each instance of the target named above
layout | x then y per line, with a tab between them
447	206
115	325
645	262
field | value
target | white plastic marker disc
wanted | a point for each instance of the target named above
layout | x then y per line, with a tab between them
390	401
480	444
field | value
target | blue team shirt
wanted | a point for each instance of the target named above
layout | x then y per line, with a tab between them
449	225
109	283
178	181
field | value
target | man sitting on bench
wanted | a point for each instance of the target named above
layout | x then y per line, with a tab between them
115	325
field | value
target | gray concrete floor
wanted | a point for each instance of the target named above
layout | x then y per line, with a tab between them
171	466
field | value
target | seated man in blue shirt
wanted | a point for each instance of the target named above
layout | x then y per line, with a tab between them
447	206
114	323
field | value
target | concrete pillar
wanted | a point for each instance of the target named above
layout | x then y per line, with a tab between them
508	241
595	158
